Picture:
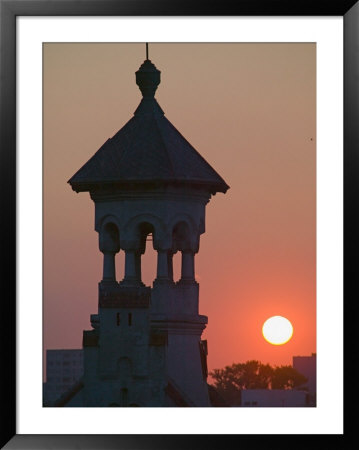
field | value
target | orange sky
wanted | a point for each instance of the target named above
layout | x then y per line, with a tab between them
250	111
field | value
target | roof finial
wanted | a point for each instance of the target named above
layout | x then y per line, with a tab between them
148	77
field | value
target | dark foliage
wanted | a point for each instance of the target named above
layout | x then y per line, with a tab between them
230	381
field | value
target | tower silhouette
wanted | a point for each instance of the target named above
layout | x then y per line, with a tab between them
145	348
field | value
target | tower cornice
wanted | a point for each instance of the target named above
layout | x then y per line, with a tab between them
152	192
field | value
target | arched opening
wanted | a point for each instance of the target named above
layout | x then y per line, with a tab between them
110	236
181	242
181	236
109	240
120	264
176	264
148	259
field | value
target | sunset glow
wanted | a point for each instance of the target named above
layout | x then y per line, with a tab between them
250	111
277	330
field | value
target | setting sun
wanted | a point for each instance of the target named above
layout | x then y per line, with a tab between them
277	330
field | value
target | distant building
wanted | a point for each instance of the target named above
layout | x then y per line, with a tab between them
273	397
307	366
63	369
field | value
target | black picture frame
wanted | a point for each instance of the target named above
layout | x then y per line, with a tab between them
9	10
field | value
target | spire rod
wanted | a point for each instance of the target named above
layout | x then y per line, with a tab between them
146	50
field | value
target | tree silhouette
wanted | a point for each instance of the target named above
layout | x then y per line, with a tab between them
230	381
285	377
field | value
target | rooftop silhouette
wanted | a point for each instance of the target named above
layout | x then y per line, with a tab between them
147	150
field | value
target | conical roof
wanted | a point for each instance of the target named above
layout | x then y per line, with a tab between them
148	150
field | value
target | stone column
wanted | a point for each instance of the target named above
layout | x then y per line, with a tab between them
187	272
170	265
109	271
138	267
109	245
162	265
133	251
130	266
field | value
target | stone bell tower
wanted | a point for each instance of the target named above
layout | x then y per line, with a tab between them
145	348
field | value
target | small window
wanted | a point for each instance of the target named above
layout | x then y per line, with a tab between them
129	319
118	319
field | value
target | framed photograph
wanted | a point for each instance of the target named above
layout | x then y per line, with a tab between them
249	100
